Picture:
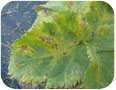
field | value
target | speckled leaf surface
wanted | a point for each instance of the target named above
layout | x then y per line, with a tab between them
100	72
64	46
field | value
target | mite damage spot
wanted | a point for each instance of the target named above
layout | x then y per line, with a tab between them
47	40
65	53
23	47
55	46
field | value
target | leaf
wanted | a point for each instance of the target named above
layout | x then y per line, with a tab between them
38	7
58	6
69	69
42	16
42	52
29	61
101	14
104	41
63	5
68	43
100	72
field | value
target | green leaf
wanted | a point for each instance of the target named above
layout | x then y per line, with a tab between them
104	40
63	5
42	52
38	7
100	14
42	16
69	69
68	43
29	61
101	69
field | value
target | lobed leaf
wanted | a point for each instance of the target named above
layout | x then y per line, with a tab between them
68	43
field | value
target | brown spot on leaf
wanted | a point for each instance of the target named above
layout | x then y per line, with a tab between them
47	40
23	47
42	38
65	53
